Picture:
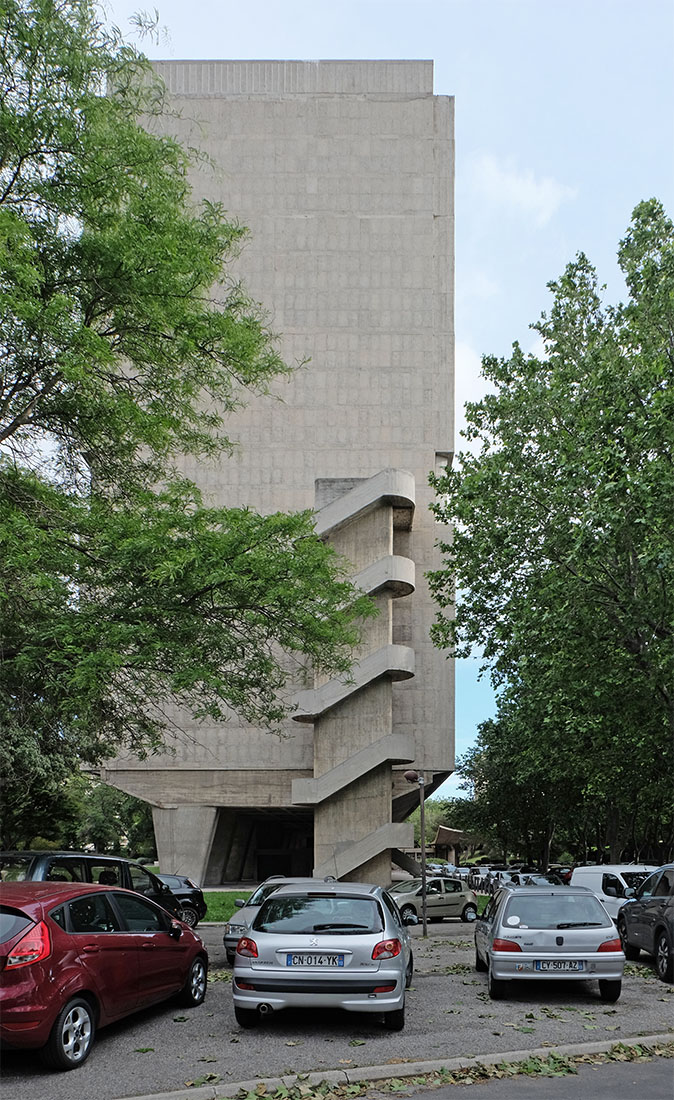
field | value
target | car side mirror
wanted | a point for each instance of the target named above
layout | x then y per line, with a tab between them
239	902
176	930
410	918
630	892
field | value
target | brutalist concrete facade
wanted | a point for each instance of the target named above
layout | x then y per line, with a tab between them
343	171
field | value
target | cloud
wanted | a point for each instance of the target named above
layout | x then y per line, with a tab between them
469	385
503	185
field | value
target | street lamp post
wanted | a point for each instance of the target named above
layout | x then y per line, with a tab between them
415	777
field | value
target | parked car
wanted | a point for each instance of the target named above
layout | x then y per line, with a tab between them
189	894
557	932
325	945
612	883
248	910
646	922
77	956
445	897
87	867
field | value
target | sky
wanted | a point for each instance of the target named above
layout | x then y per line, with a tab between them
564	122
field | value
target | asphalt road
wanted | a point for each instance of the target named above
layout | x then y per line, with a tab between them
449	1014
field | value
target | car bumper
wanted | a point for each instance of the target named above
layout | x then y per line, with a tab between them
509	965
319	990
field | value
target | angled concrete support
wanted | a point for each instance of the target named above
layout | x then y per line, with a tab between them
395	748
392	487
396	662
184	837
391	835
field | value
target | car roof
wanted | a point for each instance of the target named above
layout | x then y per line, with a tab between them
603	867
48	893
30	853
549	888
330	889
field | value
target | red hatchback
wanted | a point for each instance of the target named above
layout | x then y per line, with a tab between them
74	957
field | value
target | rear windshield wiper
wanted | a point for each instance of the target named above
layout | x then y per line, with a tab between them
581	924
327	927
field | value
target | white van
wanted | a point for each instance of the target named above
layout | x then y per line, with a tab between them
613	883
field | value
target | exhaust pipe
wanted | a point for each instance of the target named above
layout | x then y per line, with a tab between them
264	1009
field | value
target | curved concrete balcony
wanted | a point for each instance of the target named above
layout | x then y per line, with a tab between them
394	487
355	853
392	572
394	661
394	748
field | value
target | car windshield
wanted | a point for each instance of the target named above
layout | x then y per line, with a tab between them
555	911
263	892
302	915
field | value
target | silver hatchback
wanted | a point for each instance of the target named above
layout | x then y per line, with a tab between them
558	932
326	945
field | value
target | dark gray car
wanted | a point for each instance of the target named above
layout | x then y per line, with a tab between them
646	922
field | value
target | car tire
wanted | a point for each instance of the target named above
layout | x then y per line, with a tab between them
189	915
609	989
469	914
629	950
496	987
480	965
246	1017
395	1021
71	1037
664	959
406	910
194	990
409	973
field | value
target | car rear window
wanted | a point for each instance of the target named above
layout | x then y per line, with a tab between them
11	923
301	915
555	911
14	868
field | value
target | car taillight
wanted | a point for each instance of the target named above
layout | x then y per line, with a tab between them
247	947
386	949
31	948
610	945
505	945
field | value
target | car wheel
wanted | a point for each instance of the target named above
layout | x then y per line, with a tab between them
71	1037
479	964
469	914
194	989
629	951
496	987
190	916
406	910
664	960
395	1021
609	989
409	973
246	1017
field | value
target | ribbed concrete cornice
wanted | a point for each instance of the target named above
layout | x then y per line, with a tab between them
394	487
395	748
391	835
393	572
394	661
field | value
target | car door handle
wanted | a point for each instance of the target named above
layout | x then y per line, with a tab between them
91	948
148	947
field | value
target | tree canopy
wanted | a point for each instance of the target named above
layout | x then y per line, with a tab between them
561	555
126	341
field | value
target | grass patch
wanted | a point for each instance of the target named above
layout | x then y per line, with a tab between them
220	903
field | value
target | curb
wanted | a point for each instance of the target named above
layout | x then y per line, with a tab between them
398	1070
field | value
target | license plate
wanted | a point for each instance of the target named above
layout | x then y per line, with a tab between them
315	960
559	965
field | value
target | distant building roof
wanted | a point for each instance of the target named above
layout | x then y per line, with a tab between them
445	835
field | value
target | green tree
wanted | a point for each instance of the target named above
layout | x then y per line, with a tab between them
125	342
562	551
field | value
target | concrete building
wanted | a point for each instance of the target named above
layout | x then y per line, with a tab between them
343	171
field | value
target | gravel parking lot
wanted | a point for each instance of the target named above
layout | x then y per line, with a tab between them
449	1014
